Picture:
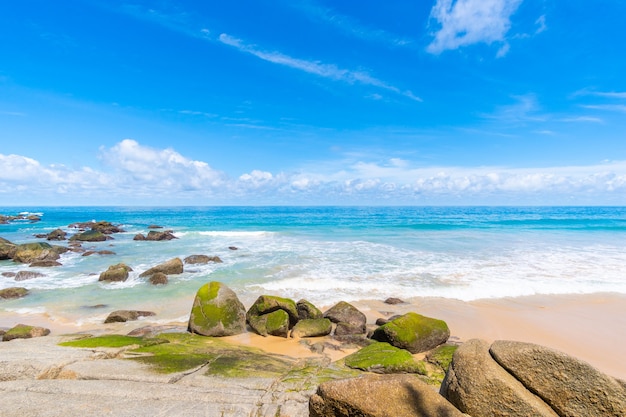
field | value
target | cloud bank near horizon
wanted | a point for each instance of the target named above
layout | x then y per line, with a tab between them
137	174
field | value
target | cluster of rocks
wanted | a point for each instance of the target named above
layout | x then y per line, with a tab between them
35	254
4	219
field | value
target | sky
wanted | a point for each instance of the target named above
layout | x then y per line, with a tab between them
312	102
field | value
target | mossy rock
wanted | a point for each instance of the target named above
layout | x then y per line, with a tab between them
269	303
385	359
344	312
13	292
116	273
7	249
307	310
217	311
442	356
413	332
23	331
275	323
37	251
312	328
111	341
90	236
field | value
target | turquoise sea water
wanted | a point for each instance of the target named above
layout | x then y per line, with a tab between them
326	254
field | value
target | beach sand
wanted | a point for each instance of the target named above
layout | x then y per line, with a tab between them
589	327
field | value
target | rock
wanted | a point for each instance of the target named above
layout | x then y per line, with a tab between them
379	396
158	279
159	236
38	251
346	329
103	227
57	234
90	236
478	386
45	264
139	236
312	328
413	332
380	321
155	226
343	312
7	249
383	358
8	274
441	356
275	323
233	248
23	331
122	316
570	386
202	259
171	267
217	311
25	275
266	304
393	301
307	310
116	273
13	292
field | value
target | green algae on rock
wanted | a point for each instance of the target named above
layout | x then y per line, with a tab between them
413	332
217	311
23	331
312	328
275	323
384	358
13	292
269	303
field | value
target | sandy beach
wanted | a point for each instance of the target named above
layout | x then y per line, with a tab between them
591	327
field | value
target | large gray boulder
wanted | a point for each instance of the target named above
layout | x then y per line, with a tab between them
349	316
570	386
477	385
413	332
171	267
217	311
379	396
307	310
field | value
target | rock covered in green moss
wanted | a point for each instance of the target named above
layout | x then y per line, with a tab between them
353	320
312	328
413	332
442	356
23	331
37	251
116	273
384	359
266	304
275	323
306	310
217	311
90	236
13	292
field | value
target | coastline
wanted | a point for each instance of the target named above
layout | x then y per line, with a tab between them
591	327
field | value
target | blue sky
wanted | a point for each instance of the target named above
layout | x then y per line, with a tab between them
312	102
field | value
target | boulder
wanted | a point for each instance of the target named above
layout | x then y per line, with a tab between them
413	332
23	331
13	292
347	329
7	249
158	279
570	386
153	235
307	310
38	251
122	316
266	304
9	274
116	273
57	234
393	301
139	236
477	385
25	275
202	259
217	311
101	226
275	323
45	264
172	267
155	226
312	328
379	396
343	312
90	236
380	357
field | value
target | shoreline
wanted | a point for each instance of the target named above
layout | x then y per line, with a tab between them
591	327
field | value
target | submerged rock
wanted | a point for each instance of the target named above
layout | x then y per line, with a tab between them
26	275
13	292
217	311
413	332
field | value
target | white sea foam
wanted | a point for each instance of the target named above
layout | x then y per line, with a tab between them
27	310
227	233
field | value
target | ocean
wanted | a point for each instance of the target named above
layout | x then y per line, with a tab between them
323	254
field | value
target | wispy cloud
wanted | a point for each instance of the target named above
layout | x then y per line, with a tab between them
605	94
139	174
329	71
525	108
621	108
351	26
12	113
467	22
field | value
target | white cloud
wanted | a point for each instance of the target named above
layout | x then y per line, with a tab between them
467	22
607	107
320	69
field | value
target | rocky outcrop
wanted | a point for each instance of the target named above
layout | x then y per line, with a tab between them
413	332
312	328
379	396
122	316
217	311
38	251
568	385
172	267
477	385
45	264
202	259
7	249
103	227
156	236
13	292
307	310
57	234
347	317
116	273
23	331
26	275
90	236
